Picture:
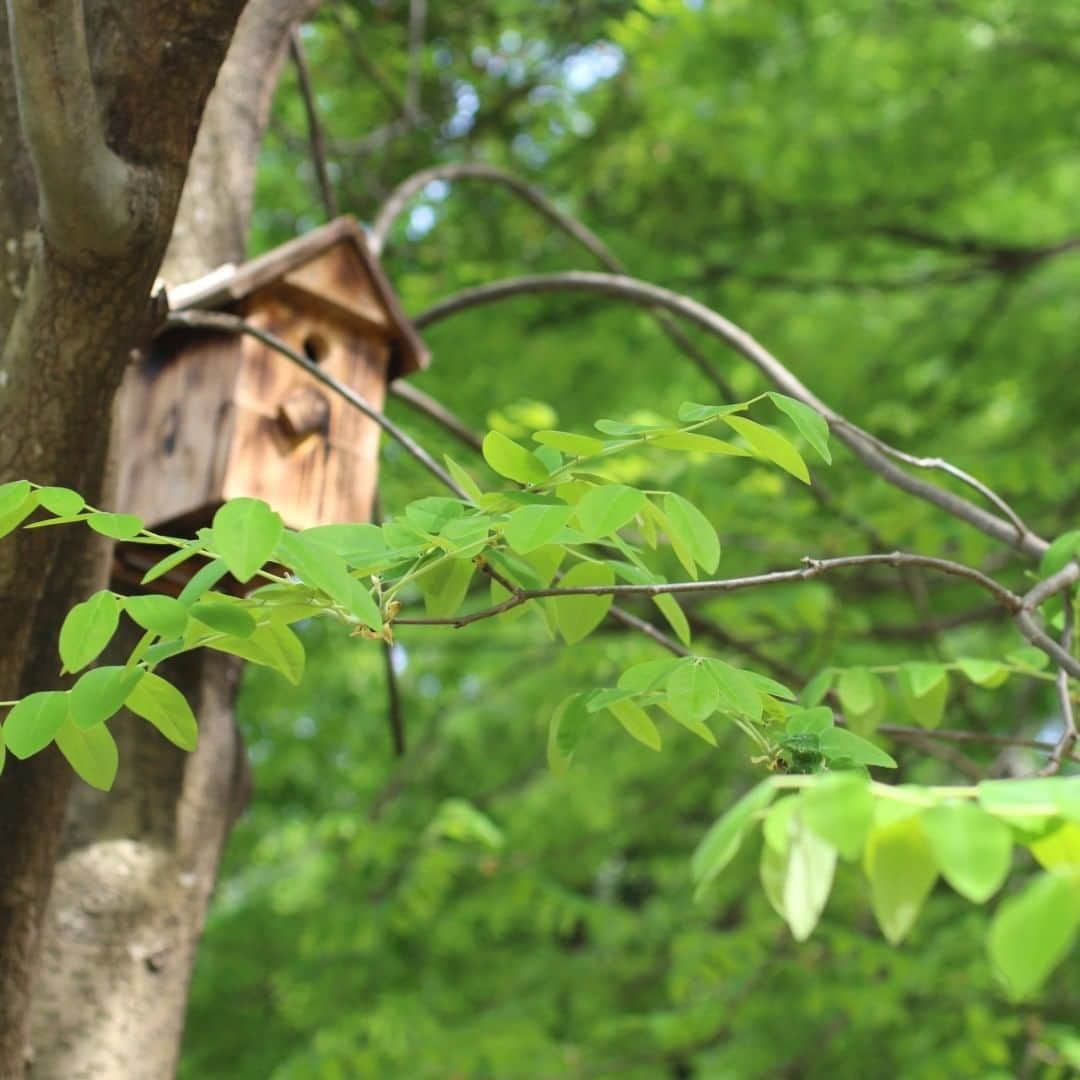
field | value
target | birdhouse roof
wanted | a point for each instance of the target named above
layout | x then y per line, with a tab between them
290	266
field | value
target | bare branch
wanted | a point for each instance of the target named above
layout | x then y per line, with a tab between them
231	324
898	731
1069	733
435	410
315	129
86	191
865	446
409	188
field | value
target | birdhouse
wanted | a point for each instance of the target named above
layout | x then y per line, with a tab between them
208	416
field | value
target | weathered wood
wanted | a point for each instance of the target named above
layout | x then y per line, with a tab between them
209	417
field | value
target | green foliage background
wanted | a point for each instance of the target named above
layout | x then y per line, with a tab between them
879	192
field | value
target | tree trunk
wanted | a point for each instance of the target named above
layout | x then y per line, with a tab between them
137	865
119	89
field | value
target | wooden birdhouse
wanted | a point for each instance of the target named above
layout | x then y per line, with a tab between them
210	416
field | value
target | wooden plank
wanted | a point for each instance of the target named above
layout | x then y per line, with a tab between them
174	426
320	478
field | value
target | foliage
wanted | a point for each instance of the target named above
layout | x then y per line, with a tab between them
885	194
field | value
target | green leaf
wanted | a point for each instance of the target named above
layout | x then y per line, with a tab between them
173	559
245	533
569	443
13	495
723	840
115	526
317	565
568	724
601	699
578	616
512	461
973	849
811	864
815	690
811	424
765	685
620	427
692	691
902	870
855	689
15	517
166	708
1028	656
463	479
636	721
676	617
989	673
1061	848
1031	799
162	615
644	676
88	628
737	693
1033	932
816	721
922	678
532	527
840	743
101	693
606	509
61	501
928	708
92	753
273	645
694	530
204	579
692	442
33	723
1058	555
224	616
840	809
362	605
445	585
771	446
434	513
692	413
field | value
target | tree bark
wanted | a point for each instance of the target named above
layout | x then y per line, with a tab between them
81	247
137	866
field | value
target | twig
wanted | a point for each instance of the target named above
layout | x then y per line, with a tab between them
899	731
399	198
1069	733
315	129
394	716
232	324
371	69
644	294
923	741
435	410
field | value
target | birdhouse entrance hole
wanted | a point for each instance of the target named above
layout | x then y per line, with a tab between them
316	347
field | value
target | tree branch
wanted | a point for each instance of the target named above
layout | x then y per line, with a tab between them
86	191
315	129
866	447
577	230
1069	733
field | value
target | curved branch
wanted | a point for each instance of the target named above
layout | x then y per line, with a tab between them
84	188
869	449
579	232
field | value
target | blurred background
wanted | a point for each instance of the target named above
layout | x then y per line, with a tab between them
884	192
